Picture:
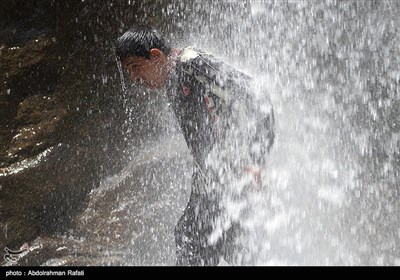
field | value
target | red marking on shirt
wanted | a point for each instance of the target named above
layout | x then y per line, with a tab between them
186	90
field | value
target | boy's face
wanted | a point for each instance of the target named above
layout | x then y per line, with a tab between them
147	72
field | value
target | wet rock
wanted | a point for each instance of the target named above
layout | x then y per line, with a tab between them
39	251
64	121
123	222
43	196
29	69
39	117
61	251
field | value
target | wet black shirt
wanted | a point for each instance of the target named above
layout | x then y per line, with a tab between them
203	93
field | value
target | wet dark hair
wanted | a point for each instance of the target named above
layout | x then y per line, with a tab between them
139	40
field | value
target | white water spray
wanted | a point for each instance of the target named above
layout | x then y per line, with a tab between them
330	68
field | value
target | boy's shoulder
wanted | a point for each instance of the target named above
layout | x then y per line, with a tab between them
191	54
195	61
188	54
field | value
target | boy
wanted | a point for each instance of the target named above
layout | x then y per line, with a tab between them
210	100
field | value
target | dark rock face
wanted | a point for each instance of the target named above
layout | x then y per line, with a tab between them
65	122
29	70
40	199
63	113
39	117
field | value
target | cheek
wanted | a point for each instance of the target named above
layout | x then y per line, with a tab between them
149	73
137	73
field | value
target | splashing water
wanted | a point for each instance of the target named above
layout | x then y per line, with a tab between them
329	191
331	184
121	74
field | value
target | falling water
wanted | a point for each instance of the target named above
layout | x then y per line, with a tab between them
329	191
121	74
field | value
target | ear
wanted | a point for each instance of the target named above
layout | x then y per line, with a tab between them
156	53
